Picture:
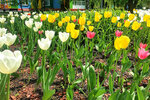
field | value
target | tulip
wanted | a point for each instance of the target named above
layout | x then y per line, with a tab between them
49	34
40	32
2	41
3	31
10	39
35	29
142	54
74	33
2	20
44	44
143	45
29	23
90	35
118	33
38	25
23	16
10	61
63	36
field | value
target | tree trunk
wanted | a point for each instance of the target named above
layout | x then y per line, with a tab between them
132	4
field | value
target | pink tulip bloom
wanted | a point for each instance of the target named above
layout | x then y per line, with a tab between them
90	35
40	32
143	45
41	20
142	53
124	21
118	33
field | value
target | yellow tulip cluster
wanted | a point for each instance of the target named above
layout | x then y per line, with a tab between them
51	18
121	42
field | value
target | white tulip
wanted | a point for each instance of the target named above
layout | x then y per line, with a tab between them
10	39
29	23
12	21
38	25
44	44
35	16
10	61
35	29
23	16
2	20
49	34
2	31
2	41
63	36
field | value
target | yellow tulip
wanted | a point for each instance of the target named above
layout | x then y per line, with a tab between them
56	15
91	28
51	18
146	17
63	20
97	17
121	42
89	22
119	24
67	18
114	19
148	23
70	27
73	17
127	23
60	23
131	16
82	20
74	33
122	15
107	14
43	17
82	27
136	25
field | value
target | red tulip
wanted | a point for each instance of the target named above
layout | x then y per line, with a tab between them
75	20
90	35
143	45
118	33
142	53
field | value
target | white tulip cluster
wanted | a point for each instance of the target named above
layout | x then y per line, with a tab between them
7	39
9	61
44	44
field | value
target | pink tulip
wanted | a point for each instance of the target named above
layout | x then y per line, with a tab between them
41	20
143	45
40	32
142	53
90	35
118	33
124	21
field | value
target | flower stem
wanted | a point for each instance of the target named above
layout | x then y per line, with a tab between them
8	86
